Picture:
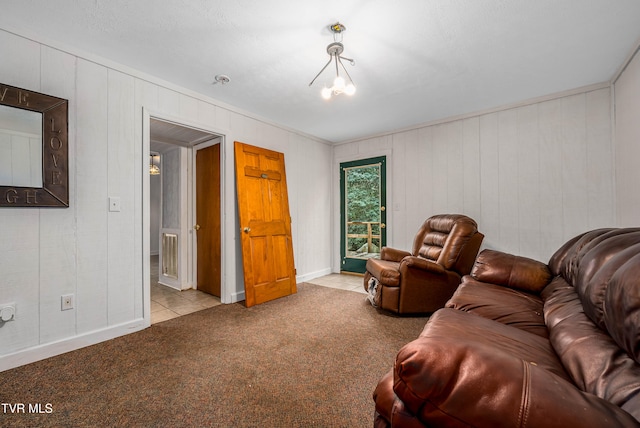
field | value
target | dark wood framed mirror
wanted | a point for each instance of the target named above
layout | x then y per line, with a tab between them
34	150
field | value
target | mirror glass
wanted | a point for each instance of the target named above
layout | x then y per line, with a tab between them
20	147
34	149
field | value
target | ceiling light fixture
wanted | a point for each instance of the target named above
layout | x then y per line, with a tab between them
223	79
153	168
335	50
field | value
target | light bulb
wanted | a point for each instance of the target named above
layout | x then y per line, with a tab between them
326	93
350	89
338	84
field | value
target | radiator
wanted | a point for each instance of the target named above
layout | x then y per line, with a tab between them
170	255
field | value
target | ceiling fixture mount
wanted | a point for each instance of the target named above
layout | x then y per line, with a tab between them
222	79
335	50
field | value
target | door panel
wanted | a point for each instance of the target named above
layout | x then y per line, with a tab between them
208	219
362	212
263	208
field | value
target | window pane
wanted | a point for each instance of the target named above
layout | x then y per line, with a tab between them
363	211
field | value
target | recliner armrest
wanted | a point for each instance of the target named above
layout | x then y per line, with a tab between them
511	271
393	254
423	264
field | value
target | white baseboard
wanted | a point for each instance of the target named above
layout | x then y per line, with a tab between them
313	275
170	285
237	297
40	352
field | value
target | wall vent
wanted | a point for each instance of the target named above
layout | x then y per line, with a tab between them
170	255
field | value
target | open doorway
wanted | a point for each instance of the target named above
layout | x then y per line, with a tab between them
363	214
174	252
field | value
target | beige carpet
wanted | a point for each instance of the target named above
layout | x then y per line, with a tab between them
310	359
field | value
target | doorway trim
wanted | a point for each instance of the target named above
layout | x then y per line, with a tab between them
147	115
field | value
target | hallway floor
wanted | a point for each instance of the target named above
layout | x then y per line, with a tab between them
168	303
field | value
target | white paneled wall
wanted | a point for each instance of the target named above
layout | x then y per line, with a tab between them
532	176
627	147
311	216
92	224
97	255
122	162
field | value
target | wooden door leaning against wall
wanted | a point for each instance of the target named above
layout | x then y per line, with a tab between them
265	222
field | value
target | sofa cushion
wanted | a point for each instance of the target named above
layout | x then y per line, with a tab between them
592	310
511	271
570	260
468	327
462	371
563	261
591	357
597	267
622	306
505	305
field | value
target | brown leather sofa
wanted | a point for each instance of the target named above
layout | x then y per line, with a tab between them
422	280
527	344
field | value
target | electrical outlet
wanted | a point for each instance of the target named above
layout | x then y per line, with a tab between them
67	302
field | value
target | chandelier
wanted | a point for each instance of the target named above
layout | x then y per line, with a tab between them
153	168
335	50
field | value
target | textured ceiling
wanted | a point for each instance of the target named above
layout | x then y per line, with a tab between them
416	60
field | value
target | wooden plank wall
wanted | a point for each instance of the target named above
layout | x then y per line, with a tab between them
532	176
627	147
96	254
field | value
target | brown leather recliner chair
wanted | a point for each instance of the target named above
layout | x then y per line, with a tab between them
422	281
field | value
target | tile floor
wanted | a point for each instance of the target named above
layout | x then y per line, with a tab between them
167	303
343	281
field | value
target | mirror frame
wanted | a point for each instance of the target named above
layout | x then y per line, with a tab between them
55	150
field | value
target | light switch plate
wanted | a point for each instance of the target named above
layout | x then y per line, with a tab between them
114	204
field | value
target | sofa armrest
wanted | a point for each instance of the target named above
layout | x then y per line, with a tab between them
422	264
389	410
445	381
511	271
393	254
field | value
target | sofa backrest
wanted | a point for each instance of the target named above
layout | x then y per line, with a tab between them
590	261
592	310
451	240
